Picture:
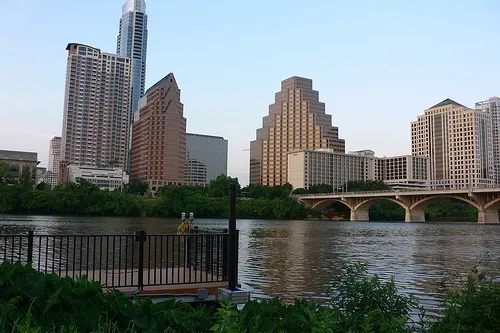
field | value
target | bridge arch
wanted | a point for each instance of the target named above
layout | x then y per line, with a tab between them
418	208
324	203
361	210
491	212
425	202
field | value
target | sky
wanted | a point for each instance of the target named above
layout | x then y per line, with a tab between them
377	64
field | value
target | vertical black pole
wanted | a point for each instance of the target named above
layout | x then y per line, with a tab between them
31	235
140	273
231	249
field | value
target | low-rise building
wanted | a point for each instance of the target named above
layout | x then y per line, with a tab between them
104	178
323	166
19	161
49	178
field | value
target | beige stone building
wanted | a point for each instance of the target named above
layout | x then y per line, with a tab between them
96	108
324	166
158	154
459	143
296	121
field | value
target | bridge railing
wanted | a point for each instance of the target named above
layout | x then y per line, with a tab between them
361	192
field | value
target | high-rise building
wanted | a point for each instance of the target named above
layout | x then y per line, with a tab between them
132	42
96	108
54	154
459	142
158	154
296	121
492	106
206	157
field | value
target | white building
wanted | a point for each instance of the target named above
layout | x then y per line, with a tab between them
459	144
492	107
323	166
96	108
104	178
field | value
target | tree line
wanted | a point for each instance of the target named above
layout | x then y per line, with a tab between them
85	198
254	201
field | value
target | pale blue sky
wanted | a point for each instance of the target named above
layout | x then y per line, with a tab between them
376	63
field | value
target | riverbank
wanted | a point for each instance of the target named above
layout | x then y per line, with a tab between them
85	199
358	302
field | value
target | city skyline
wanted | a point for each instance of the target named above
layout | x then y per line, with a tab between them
394	63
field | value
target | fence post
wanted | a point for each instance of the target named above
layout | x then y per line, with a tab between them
231	248
141	238
237	256
31	235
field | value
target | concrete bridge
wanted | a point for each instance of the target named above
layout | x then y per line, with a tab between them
485	200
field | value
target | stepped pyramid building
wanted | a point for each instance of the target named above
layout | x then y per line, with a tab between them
296	121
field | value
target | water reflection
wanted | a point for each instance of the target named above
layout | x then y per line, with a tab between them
297	258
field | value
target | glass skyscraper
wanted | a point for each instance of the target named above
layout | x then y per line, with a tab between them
132	42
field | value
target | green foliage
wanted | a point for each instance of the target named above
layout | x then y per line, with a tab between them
267	192
219	187
84	198
34	302
368	304
475	308
4	171
136	187
450	210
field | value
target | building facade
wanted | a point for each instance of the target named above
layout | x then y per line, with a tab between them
296	121
459	143
492	106
206	157
400	172
324	166
158	154
104	178
132	43
18	162
54	154
96	108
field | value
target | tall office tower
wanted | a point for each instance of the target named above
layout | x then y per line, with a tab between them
492	106
54	154
158	154
96	108
459	143
296	121
132	42
206	157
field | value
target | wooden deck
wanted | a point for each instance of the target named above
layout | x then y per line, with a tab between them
157	283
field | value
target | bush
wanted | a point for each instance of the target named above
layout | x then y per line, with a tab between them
35	302
48	302
475	308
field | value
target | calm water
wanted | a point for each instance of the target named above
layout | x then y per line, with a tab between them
297	258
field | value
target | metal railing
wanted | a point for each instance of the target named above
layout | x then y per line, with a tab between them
132	260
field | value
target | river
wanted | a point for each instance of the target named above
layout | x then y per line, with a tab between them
297	258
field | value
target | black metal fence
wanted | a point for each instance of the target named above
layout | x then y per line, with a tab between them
133	260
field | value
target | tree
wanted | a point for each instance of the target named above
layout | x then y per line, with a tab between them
136	187
219	187
4	171
26	179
